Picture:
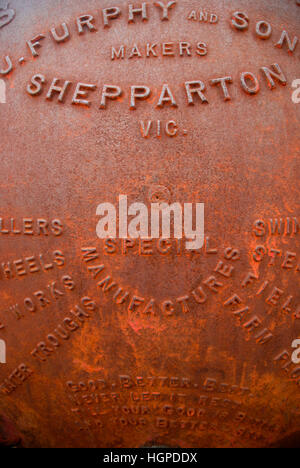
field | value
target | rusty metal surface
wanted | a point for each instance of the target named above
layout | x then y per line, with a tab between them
180	349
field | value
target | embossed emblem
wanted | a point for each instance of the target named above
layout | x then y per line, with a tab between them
6	14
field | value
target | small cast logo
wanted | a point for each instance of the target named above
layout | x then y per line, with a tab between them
6	14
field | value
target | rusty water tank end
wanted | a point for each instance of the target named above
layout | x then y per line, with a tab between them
149	341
